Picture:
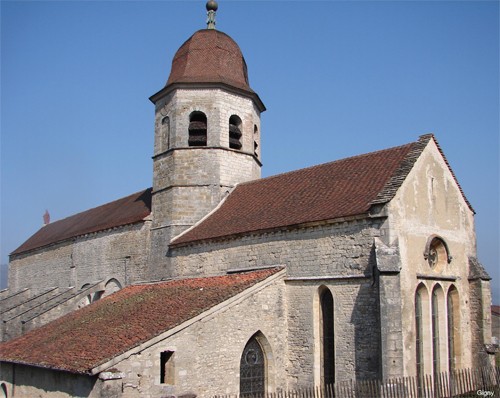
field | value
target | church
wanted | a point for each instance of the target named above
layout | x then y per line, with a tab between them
216	281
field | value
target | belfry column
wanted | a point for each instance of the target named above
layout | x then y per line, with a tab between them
207	137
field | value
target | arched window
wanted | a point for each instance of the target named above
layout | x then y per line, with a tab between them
437	253
197	129
453	328
111	287
437	315
327	337
165	133
234	132
419	332
252	369
4	390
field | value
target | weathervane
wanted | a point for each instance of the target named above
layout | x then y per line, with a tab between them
211	8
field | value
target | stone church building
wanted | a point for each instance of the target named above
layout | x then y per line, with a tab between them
217	281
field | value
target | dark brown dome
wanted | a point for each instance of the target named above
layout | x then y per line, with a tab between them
210	56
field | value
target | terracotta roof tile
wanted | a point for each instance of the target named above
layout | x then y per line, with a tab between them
210	56
128	210
329	191
111	326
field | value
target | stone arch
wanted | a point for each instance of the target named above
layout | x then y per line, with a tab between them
437	252
197	129
423	357
165	134
438	323
324	337
257	369
453	325
111	286
3	390
235	132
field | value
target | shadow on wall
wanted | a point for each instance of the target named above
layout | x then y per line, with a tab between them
366	320
4	275
29	381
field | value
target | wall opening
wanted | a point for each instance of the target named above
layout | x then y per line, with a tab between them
165	133
438	321
255	141
235	132
327	337
167	367
197	129
454	338
256	367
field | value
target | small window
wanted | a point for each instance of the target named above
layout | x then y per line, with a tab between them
235	132
197	129
167	369
436	253
165	132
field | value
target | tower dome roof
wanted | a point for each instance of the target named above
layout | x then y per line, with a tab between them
210	56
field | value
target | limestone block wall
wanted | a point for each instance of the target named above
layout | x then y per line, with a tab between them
121	253
356	330
429	204
341	249
207	352
29	381
42	269
338	256
189	182
218	105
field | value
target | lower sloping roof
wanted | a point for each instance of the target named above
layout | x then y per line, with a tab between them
87	338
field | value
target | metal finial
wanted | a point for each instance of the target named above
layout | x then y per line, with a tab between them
211	9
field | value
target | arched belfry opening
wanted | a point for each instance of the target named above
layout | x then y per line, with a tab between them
235	132
197	129
326	336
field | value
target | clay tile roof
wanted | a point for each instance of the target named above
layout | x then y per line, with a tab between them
92	336
339	189
128	210
210	56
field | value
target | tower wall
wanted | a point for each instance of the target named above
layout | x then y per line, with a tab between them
190	181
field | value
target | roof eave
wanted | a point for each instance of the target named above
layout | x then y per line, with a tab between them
204	85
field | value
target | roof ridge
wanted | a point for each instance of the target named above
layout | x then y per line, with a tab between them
102	205
400	174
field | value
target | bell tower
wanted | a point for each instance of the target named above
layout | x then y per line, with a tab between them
207	136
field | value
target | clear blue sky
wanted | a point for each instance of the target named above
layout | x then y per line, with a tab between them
339	78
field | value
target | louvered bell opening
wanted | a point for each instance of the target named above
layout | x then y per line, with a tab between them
234	136
197	133
234	143
255	146
234	131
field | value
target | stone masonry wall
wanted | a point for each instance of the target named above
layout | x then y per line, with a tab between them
338	256
341	249
207	353
120	253
189	182
356	330
429	204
